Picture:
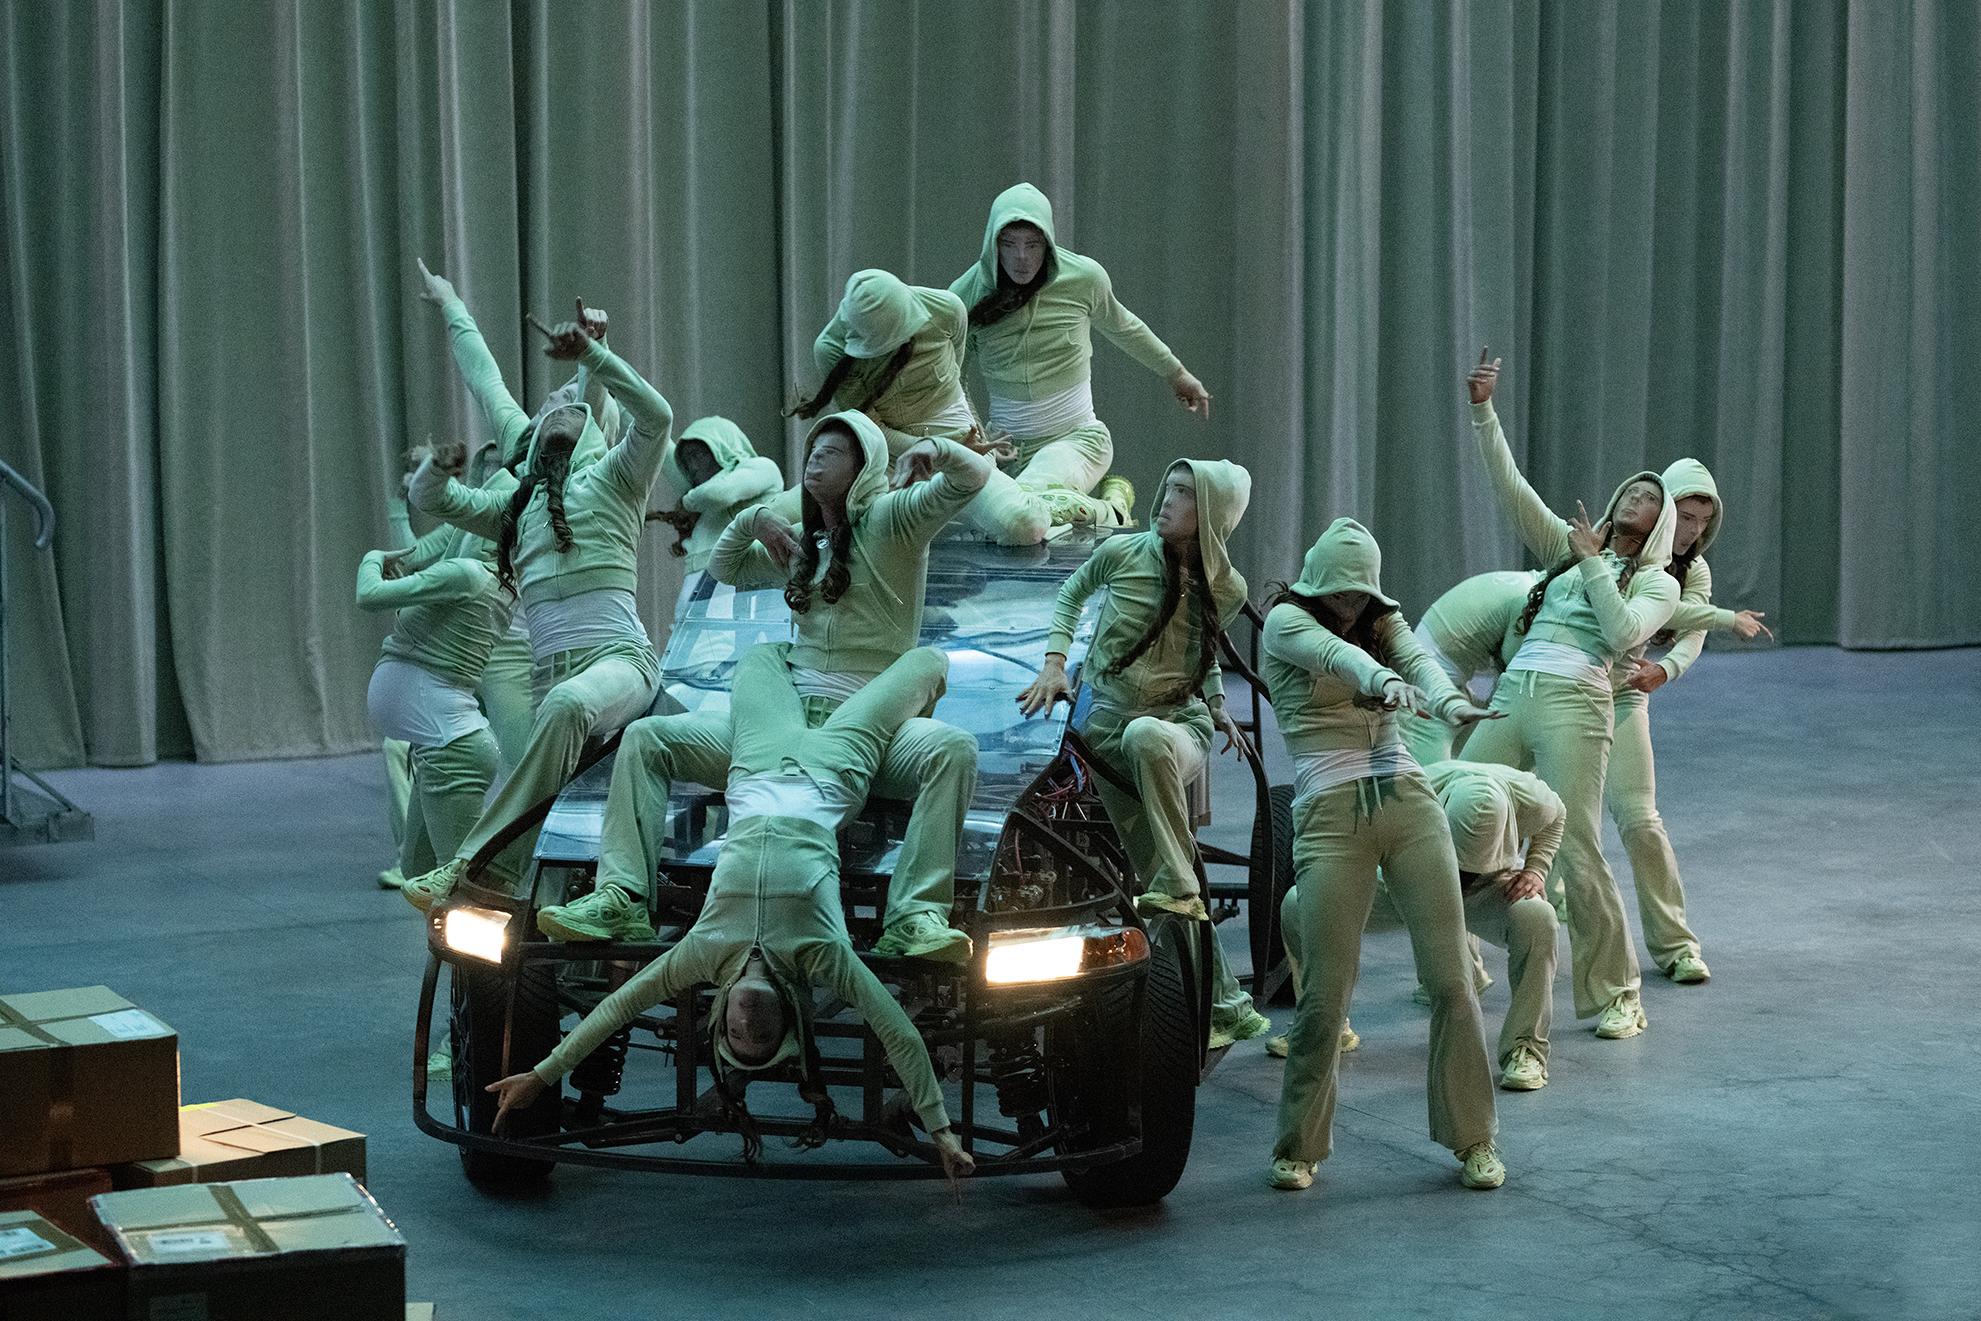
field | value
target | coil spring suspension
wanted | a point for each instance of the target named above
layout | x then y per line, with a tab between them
600	1073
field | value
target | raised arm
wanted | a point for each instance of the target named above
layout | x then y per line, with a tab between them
507	421
690	963
915	513
1300	640
632	465
753	479
457	579
434	491
1545	534
741	560
837	967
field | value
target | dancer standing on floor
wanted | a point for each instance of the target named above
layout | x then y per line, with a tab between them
1158	691
854	572
1605	595
1033	308
568	537
1631	791
1343	669
894	351
1469	632
772	926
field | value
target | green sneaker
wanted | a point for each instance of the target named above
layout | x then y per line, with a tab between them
426	890
1483	1167
391	879
1524	1071
607	913
1280	1047
1188	906
1119	492
923	935
1291	1176
1622	1017
1688	969
1350	1038
1250	1024
1068	508
439	1066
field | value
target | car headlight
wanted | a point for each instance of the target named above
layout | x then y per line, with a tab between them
478	932
1056	953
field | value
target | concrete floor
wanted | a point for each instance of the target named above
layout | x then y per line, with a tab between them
1795	1139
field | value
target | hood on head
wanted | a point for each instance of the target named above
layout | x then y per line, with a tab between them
794	1010
1484	830
1657	546
872	481
591	446
880	313
1223	491
726	442
1691	477
1019	202
1345	559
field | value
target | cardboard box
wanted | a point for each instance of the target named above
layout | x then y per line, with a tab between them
63	1197
48	1273
92	1080
419	1312
306	1249
225	1140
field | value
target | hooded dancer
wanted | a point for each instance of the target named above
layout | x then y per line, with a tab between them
854	572
569	535
894	351
1342	669
1605	594
718	474
772	926
1631	792
1033	308
1158	691
1469	633
398	754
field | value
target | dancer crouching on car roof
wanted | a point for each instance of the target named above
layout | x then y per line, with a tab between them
716	474
772	926
1158	691
854	573
569	535
1343	668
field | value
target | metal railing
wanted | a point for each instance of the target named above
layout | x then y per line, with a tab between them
65	821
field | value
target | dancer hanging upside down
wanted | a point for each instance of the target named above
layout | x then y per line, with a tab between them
1605	596
854	572
772	927
1631	791
1033	308
569	536
1158	691
1343	669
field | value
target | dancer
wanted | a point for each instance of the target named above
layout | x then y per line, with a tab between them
1158	691
895	352
570	534
1606	594
772	927
1631	791
1033	308
1469	633
1342	669
854	572
717	473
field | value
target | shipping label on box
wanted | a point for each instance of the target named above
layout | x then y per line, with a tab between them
47	1272
92	1080
239	1139
63	1197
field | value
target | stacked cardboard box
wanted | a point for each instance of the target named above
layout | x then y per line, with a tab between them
92	1081
45	1271
240	1139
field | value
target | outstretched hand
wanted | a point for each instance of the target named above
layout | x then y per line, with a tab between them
1584	540
1647	676
997	446
1747	625
776	537
1190	392
1050	687
1483	379
518	1091
434	288
1234	737
1471	714
916	464
957	1164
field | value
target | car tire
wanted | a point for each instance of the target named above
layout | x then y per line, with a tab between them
1272	877
479	999
1160	1094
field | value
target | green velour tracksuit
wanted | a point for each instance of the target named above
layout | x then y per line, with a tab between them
1046	348
878	620
776	881
1561	728
1149	723
877	315
592	689
1631	792
1471	628
451	611
1345	831
397	752
746	478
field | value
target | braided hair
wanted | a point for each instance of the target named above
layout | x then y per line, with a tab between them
1203	616
557	437
835	378
1539	591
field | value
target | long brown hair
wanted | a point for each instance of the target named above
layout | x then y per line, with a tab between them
843	368
1539	591
1203	615
550	468
1361	633
812	532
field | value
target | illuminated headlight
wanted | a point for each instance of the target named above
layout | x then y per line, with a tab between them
1057	953
478	932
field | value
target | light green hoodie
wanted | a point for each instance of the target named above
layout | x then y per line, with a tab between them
510	428
1314	675
880	615
1583	608
1491	809
747	478
1473	621
1046	346
878	314
452	611
605	496
1130	567
1696	612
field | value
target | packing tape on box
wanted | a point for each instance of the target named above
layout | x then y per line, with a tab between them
61	1085
237	1215
52	1237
